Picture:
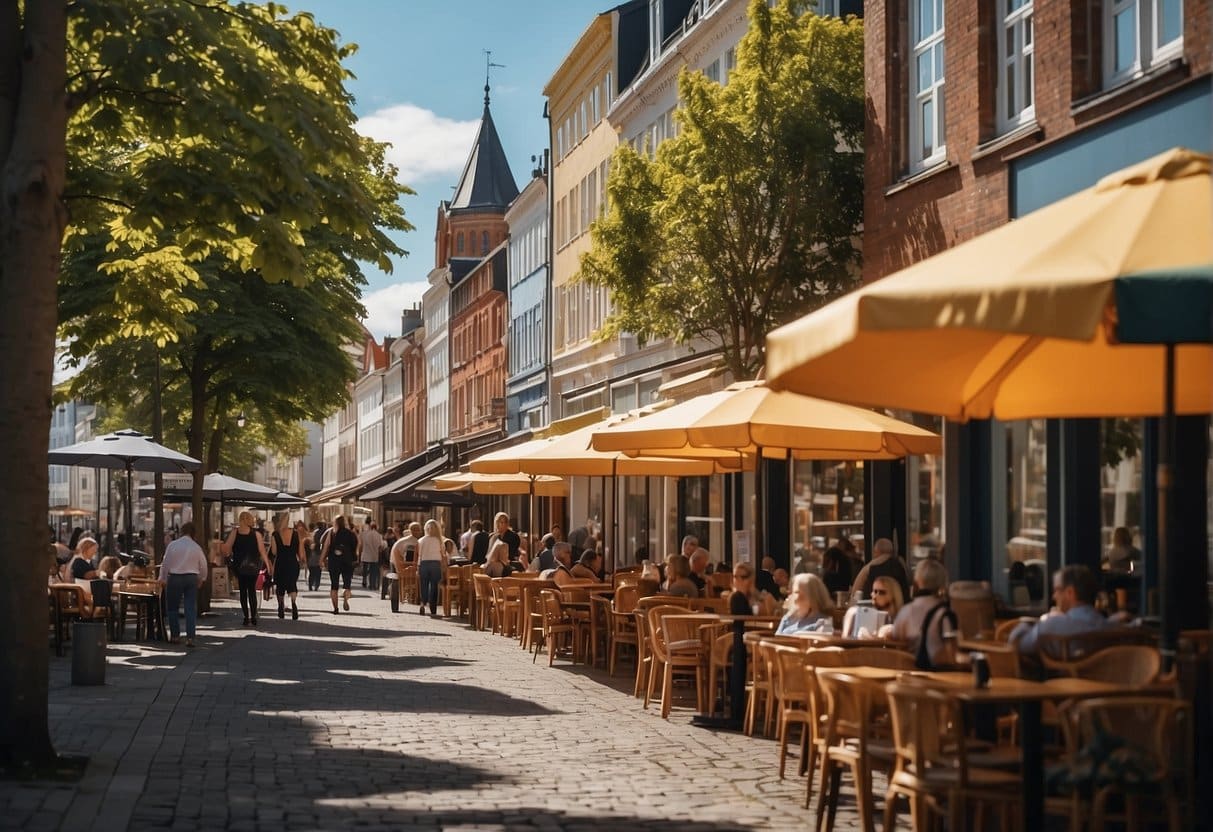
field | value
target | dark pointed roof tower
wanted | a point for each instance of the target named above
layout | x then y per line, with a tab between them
487	183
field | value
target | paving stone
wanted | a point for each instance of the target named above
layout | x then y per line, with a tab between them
381	721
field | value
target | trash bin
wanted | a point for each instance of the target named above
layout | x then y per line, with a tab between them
88	653
393	592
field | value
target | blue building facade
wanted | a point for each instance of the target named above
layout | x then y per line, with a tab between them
526	386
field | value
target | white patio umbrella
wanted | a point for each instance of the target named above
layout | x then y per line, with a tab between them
126	450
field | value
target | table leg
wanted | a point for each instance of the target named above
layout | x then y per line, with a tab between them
1033	795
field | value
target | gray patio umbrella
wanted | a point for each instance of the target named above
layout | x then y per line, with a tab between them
218	487
126	450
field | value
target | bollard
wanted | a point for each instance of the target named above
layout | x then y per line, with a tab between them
88	653
391	587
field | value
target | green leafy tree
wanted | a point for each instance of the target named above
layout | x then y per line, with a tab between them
749	216
209	142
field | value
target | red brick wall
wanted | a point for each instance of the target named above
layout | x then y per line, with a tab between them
969	197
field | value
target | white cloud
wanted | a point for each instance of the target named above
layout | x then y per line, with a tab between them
425	145
383	306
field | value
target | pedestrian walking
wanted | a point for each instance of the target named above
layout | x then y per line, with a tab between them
369	543
288	559
315	574
182	573
432	560
246	548
338	556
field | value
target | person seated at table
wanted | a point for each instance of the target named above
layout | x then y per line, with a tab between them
930	579
884	562
781	581
545	559
1122	552
836	570
109	566
680	582
561	573
1074	613
699	569
809	609
764	578
81	566
588	566
498	565
886	598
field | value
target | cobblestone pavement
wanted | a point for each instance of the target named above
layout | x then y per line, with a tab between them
375	720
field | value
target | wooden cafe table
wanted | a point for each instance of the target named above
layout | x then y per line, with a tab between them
1023	693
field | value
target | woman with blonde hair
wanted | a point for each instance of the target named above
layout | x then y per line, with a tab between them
498	565
248	557
431	563
809	609
886	598
287	545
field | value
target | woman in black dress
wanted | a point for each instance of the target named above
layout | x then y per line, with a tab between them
288	558
248	557
338	554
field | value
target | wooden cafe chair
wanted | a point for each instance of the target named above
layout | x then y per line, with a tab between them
558	630
848	743
621	624
658	653
680	650
932	769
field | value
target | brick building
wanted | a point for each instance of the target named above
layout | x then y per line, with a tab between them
981	111
478	353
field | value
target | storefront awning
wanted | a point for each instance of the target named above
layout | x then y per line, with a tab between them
414	477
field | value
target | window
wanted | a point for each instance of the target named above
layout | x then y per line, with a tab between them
484	242
595	104
1138	34
459	243
926	84
730	63
713	71
585	123
1016	103
559	143
606	91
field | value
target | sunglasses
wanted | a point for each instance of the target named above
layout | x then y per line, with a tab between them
880	592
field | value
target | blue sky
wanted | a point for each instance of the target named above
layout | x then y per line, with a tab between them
420	79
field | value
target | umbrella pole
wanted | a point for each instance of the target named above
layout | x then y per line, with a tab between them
530	510
130	510
759	507
1168	575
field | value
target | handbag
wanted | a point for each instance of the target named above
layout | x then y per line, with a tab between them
261	579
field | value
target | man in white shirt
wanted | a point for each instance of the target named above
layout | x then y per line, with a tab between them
405	552
182	573
369	544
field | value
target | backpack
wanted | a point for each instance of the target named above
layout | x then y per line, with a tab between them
922	658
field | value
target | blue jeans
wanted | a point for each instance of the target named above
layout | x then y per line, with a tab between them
370	572
429	576
182	587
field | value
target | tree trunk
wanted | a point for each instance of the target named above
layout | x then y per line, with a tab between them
197	438
33	128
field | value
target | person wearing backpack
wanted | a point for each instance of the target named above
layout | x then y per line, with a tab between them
338	556
923	622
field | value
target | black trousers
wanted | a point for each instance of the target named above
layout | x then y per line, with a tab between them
248	594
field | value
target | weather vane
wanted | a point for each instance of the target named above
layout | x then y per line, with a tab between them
488	66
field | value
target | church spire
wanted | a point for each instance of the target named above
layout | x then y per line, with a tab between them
488	65
486	183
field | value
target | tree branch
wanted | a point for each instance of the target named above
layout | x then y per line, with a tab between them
106	199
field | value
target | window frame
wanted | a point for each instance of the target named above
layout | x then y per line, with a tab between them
935	93
1018	21
1149	53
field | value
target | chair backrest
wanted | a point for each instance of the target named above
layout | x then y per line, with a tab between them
877	657
923	721
1055	649
973	603
848	706
553	612
1133	665
102	591
716	605
1158	728
648	587
1003	660
789	673
69	597
625	599
721	581
483	585
646	603
655	629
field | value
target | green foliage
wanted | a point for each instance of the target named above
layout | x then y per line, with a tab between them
748	217
207	133
222	204
1120	439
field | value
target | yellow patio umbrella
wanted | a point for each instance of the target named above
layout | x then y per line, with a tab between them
502	484
1100	304
1028	320
748	418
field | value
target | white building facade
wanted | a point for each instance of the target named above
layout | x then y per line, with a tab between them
435	312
